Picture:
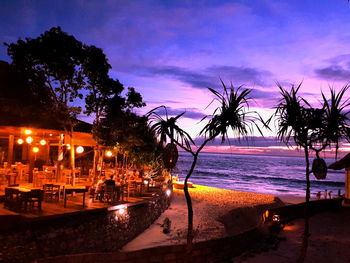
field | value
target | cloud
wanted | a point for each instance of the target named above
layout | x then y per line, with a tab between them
191	113
208	77
163	102
334	72
338	69
244	75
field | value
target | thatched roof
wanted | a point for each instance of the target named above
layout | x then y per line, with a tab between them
341	164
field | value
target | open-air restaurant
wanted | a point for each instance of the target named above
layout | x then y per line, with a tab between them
46	172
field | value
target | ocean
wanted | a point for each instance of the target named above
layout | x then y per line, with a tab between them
277	175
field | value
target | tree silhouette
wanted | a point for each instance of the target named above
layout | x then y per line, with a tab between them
312	129
53	61
231	114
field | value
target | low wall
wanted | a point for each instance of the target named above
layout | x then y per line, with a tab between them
217	250
290	212
98	230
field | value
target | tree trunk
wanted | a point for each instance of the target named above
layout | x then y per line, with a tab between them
190	234
306	234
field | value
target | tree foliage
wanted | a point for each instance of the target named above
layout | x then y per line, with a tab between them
55	71
20	104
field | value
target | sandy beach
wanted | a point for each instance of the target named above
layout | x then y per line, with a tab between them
213	210
329	240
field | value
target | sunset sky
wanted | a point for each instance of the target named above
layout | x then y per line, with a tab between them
171	51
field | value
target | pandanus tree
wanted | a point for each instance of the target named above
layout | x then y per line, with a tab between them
312	130
168	128
231	114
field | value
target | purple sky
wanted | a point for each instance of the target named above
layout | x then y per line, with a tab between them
171	51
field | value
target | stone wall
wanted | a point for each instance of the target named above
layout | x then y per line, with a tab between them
217	250
99	230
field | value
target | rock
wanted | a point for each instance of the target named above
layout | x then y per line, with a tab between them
166	225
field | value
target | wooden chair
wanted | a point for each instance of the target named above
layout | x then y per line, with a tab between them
34	196
12	199
51	192
67	174
109	193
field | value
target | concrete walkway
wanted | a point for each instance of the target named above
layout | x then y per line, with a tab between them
329	241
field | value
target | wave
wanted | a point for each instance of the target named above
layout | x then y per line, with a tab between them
265	178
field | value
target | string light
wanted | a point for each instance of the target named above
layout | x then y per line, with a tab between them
35	149
20	141
42	142
109	153
29	139
80	149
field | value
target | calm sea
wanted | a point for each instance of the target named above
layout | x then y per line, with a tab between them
278	175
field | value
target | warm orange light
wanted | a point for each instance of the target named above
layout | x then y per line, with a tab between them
168	192
121	211
35	149
27	132
43	142
50	134
276	218
68	146
109	153
29	139
145	181
80	149
266	213
20	141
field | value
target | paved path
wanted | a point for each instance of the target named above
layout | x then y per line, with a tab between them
329	241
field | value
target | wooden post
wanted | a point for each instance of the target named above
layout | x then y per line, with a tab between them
10	150
347	183
31	164
94	164
47	154
59	157
72	158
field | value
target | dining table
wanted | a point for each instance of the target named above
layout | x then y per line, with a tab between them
24	192
68	189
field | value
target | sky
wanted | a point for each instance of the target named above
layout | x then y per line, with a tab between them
172	51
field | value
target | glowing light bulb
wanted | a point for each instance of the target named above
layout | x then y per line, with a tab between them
80	149
276	218
42	142
20	141
29	139
27	132
109	154
168	192
35	149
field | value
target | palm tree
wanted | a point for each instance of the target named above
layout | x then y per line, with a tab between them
312	129
231	114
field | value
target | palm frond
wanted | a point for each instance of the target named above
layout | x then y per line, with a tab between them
231	114
167	128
